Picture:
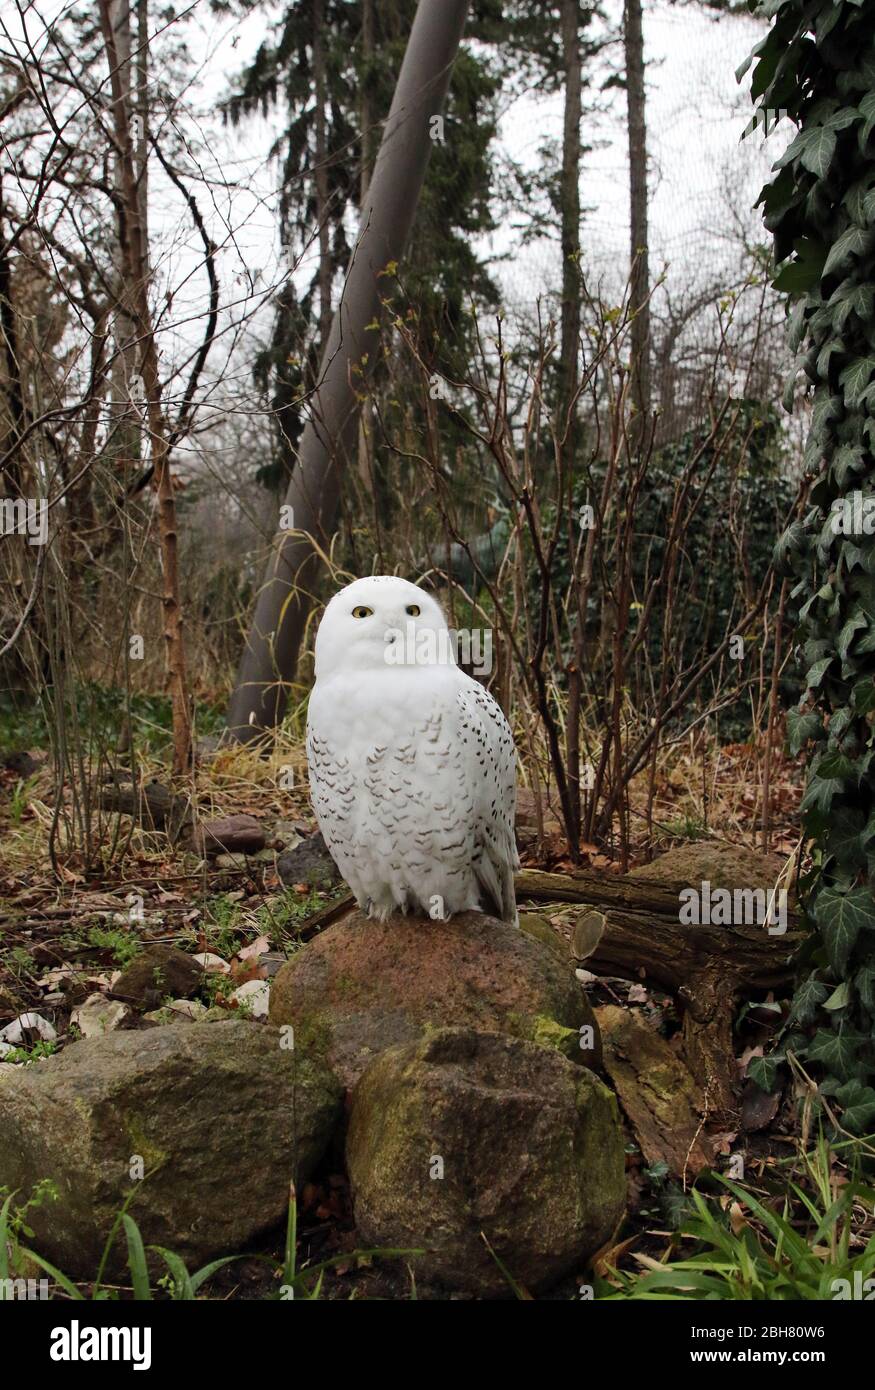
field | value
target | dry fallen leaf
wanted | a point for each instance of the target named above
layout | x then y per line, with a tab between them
255	948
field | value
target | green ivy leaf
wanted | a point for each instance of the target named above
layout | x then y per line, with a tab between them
855	623
820	793
867	111
819	146
845	836
763	1071
853	242
840	997
858	1106
808	996
817	672
855	378
837	1051
847	459
801	728
863	696
835	764
864	984
841	917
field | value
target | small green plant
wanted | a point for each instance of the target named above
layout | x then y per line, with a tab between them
299	1283
124	946
218	987
19	960
15	1218
222	921
41	1048
802	1252
177	1283
19	799
282	918
687	827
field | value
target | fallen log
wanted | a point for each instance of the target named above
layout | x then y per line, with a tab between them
598	890
705	966
151	805
656	1091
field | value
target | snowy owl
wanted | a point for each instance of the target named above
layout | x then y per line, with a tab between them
412	763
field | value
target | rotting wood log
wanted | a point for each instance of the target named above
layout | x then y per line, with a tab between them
597	890
705	967
659	1097
151	805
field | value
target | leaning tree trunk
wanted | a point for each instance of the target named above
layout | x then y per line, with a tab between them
330	435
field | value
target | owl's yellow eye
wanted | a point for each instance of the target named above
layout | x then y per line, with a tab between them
413	610
362	612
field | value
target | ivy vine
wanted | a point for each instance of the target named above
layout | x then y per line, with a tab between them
817	65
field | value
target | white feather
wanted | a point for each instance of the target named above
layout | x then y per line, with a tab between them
412	764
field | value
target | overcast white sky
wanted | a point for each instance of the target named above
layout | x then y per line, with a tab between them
696	114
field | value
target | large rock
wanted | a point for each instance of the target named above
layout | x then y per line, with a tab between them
232	834
722	865
464	1133
222	1115
362	986
308	862
157	972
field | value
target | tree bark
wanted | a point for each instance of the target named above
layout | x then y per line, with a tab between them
639	285
133	242
705	967
330	435
323	223
124	439
570	217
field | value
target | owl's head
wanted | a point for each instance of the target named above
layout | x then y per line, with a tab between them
379	623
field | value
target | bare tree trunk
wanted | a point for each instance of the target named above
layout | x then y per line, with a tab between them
633	39
141	145
570	346
366	122
570	213
10	486
133	243
330	435
124	442
323	224
369	46
772	717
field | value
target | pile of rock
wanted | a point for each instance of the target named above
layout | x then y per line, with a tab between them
476	1130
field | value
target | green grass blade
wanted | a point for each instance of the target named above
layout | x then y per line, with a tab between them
4	1238
137	1260
59	1278
183	1289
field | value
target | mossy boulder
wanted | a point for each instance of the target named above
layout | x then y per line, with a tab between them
222	1116
712	861
535	925
463	1135
157	973
362	986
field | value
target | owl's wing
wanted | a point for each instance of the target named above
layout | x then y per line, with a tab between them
490	744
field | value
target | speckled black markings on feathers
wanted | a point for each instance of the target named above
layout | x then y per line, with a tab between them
412	763
392	799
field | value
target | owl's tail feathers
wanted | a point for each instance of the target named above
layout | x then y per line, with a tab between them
496	880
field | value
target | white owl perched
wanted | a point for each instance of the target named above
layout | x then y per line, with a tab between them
412	763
